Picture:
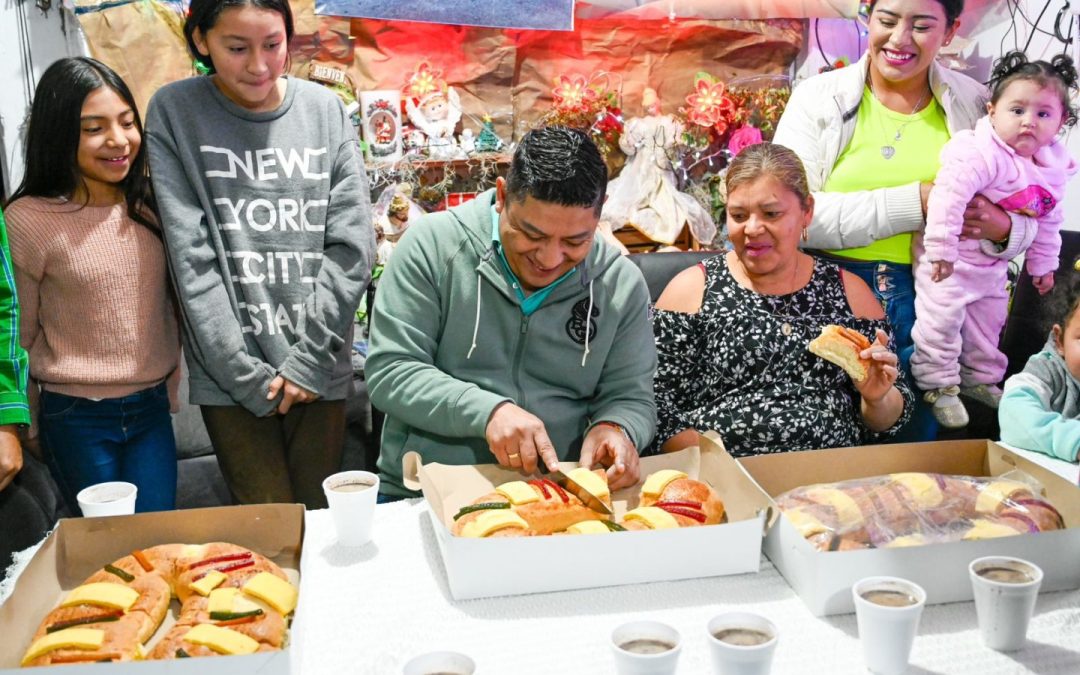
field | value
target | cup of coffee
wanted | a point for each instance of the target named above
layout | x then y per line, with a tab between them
1005	593
887	610
741	643
352	496
115	498
645	648
440	663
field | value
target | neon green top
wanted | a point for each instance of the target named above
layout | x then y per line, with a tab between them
861	166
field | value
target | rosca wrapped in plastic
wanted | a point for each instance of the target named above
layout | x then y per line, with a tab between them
912	509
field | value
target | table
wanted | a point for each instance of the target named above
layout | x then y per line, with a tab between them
369	610
1067	470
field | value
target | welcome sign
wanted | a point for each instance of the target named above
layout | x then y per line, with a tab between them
534	14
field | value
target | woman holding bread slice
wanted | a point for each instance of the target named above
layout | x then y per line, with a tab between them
733	333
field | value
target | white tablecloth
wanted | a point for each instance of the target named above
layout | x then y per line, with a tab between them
369	610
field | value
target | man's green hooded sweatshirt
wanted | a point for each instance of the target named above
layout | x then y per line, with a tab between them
450	342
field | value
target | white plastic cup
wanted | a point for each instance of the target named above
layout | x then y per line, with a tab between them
1003	606
887	632
443	663
352	496
114	498
732	656
628	638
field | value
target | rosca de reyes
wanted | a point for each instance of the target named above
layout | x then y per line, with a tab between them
233	601
540	507
911	509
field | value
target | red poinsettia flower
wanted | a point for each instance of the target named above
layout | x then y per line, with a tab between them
572	93
709	103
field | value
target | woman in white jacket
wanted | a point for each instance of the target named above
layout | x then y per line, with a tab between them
869	136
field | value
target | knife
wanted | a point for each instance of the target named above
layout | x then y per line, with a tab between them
590	500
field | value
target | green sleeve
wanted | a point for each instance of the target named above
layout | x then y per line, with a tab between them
403	380
14	364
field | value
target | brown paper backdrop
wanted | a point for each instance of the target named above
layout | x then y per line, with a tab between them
143	42
663	55
506	74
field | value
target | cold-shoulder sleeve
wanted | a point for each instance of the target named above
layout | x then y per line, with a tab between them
679	359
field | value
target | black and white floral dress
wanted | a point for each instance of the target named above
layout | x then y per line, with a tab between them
734	368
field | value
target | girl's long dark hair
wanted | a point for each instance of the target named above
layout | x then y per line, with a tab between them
52	140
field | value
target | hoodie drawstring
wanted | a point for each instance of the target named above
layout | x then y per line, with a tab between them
588	325
476	324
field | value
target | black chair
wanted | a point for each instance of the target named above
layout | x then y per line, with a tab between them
660	268
1029	314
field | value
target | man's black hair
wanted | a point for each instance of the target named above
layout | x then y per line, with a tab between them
559	165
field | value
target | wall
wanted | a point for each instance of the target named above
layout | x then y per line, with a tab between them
48	43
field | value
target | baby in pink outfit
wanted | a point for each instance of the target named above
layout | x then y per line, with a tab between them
1013	157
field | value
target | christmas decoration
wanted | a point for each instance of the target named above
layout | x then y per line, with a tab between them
435	109
645	194
590	105
488	141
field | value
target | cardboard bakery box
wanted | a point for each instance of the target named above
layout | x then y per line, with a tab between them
565	562
823	579
80	546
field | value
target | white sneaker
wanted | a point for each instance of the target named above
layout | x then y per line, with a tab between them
947	407
987	394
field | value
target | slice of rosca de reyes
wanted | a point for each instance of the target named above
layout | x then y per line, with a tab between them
594	484
518	492
653	516
589	527
221	640
222	600
274	591
69	638
212	580
492	521
102	594
656	482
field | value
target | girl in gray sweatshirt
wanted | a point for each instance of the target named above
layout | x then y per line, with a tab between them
267	222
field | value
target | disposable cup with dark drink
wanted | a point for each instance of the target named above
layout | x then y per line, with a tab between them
1005	592
440	663
887	610
645	648
351	496
115	498
741	643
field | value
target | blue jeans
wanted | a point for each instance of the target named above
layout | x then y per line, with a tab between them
128	438
894	286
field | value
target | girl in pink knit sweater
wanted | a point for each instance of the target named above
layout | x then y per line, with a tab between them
1015	158
96	314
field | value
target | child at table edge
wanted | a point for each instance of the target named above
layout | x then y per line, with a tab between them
1040	407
